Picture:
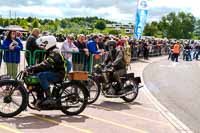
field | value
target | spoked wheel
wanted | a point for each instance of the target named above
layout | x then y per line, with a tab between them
132	96
94	90
12	99
31	100
73	99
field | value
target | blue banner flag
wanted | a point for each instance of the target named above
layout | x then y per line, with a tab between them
141	17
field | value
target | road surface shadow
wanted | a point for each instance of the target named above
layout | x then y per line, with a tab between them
27	122
69	119
144	61
109	106
39	122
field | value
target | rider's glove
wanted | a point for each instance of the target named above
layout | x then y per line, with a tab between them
29	70
109	65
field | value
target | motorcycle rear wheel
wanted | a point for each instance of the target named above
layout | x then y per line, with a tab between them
132	96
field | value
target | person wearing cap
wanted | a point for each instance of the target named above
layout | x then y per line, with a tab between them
11	57
115	60
176	51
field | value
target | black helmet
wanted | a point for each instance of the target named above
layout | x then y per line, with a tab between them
112	43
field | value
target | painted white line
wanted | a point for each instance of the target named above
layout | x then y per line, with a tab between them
180	126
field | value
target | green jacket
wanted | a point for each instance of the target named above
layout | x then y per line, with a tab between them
116	58
53	62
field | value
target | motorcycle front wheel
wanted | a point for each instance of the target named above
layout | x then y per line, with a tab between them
13	98
74	98
94	90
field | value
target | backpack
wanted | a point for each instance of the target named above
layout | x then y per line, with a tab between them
127	54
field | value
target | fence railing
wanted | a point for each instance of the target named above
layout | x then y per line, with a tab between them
153	50
12	62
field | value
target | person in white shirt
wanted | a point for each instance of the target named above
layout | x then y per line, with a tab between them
67	49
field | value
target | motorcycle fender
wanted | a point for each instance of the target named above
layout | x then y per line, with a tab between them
82	85
137	80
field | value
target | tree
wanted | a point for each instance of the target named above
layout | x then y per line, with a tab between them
30	19
114	32
6	22
180	26
197	28
63	23
35	23
151	29
187	24
100	25
1	21
23	23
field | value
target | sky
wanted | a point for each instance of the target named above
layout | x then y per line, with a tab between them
116	10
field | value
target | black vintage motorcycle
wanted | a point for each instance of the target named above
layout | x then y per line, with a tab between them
187	55
97	84
19	93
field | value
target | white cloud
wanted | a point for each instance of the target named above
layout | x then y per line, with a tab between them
175	3
183	5
35	10
117	10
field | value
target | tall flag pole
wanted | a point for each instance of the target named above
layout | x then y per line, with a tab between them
141	18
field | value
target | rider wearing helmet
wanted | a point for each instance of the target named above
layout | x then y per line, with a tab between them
188	49
52	69
115	59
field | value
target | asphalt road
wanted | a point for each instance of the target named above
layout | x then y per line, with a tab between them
177	87
105	115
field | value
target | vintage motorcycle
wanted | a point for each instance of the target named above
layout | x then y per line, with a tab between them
187	55
17	94
97	84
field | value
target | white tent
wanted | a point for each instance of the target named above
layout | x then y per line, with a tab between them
15	27
1	28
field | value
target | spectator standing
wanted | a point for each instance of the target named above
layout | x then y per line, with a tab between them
145	50
31	45
176	51
93	45
83	58
11	56
67	48
94	49
0	54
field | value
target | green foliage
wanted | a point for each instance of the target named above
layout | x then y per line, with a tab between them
151	29
35	23
1	21
6	22
180	26
114	32
100	25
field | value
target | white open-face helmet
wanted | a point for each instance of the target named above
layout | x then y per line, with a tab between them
47	41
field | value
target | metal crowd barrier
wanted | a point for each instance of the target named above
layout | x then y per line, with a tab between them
79	61
153	50
13	62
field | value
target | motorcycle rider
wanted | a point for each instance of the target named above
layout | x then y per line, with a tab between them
52	69
197	51
189	49
115	60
